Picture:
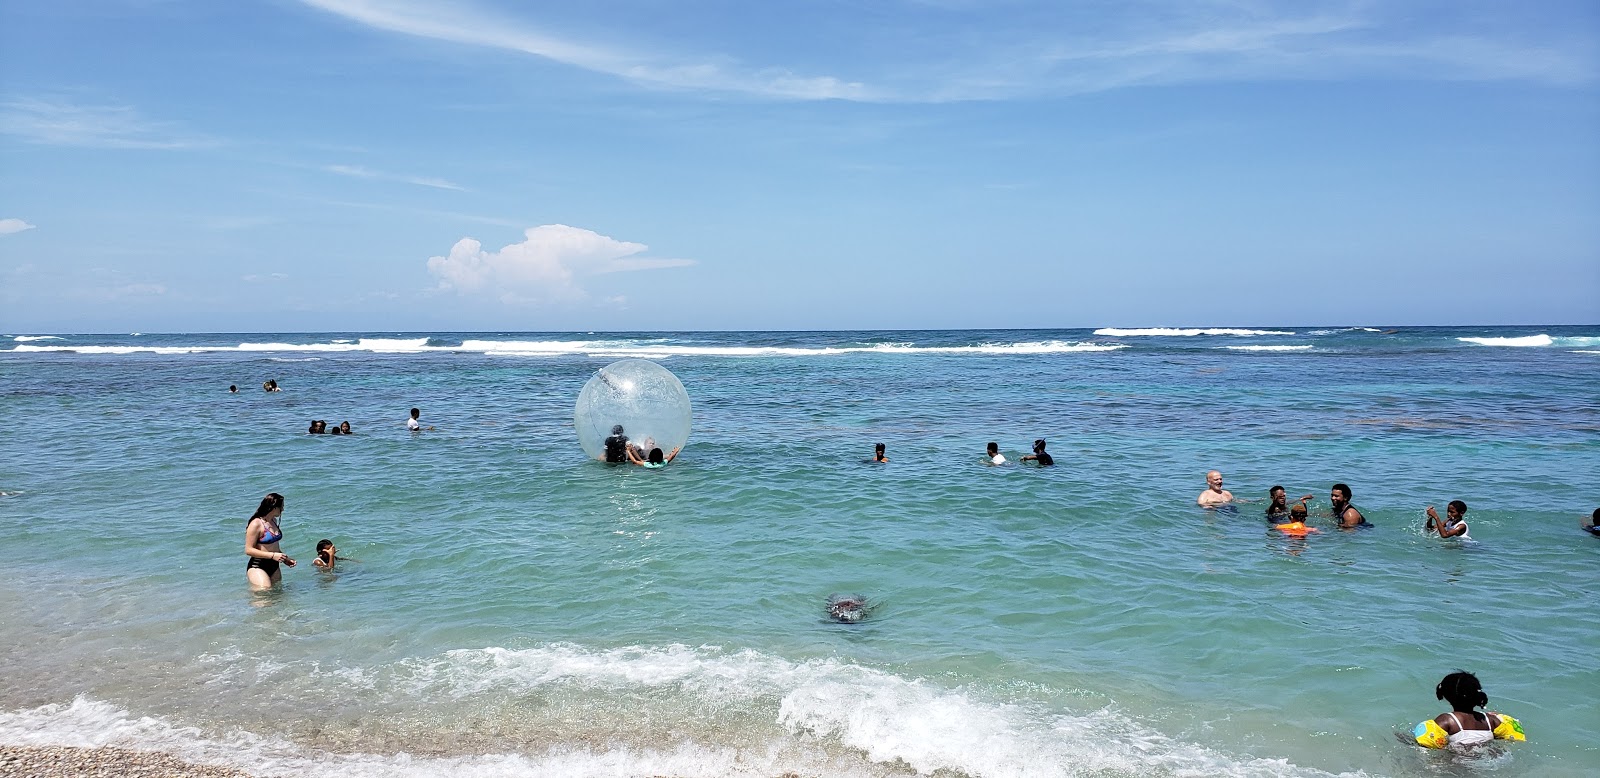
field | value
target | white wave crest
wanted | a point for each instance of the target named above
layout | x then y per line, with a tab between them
1267	348
119	349
26	338
1524	341
1173	332
597	348
828	713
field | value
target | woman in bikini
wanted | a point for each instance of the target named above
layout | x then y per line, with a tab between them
261	538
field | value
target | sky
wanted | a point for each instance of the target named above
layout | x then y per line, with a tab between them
493	165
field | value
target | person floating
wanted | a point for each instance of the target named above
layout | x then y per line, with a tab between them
1039	455
1343	512
1465	727
261	536
1278	502
1214	495
1454	524
994	456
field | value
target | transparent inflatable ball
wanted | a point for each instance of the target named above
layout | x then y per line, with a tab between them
643	398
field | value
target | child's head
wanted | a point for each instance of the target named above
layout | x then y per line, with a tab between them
324	548
1462	690
994	448
1456	508
1297	511
656	457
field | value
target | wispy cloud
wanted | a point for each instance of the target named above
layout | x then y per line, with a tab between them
60	123
264	278
966	51
361	172
546	266
12	226
461	23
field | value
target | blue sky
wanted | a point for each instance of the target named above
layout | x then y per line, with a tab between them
188	165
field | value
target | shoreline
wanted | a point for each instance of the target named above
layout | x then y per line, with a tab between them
104	761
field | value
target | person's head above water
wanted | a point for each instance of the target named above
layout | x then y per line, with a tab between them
415	412
657	457
1340	493
1297	511
994	448
1038	445
322	547
233	387
344	426
1462	690
616	429
1214	480
878	451
1456	509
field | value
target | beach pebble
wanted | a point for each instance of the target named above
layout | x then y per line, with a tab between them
66	762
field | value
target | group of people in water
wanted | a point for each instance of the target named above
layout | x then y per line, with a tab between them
320	427
1290	517
262	535
620	450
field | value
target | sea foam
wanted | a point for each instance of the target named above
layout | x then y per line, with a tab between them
1526	340
1173	332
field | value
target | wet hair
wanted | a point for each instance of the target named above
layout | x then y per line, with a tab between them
313	428
272	501
1459	506
878	448
656	457
1038	445
1462	690
994	448
1274	490
1346	489
1298	510
233	387
415	412
616	429
344	426
1594	518
323	545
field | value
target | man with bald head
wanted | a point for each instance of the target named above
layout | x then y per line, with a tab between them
1214	494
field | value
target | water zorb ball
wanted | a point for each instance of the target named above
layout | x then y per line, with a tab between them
642	396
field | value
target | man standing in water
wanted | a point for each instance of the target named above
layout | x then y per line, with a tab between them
1343	512
1214	495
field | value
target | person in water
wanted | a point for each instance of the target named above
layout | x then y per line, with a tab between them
233	389
328	555
315	428
878	455
415	422
261	537
1039	455
1278	502
1214	495
1594	522
1454	524
1296	524
847	608
616	446
270	385
1343	512
344	428
1465	727
654	459
994	456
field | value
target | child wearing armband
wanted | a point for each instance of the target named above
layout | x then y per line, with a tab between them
1465	727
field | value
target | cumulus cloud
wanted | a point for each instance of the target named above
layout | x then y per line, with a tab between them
547	265
9	226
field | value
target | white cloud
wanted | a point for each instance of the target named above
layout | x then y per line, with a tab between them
58	123
360	172
546	266
9	226
258	278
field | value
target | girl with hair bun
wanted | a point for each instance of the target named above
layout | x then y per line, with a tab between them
1465	727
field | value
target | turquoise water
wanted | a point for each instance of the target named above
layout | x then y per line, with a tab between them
519	610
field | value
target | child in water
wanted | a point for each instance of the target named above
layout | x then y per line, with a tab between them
327	555
1465	727
1297	521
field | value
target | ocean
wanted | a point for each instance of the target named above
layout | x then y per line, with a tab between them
517	609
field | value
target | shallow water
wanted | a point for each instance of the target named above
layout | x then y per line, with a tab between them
517	609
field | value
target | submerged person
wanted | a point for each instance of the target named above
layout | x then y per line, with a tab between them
1039	455
616	446
994	456
1454	524
1594	522
261	537
344	428
847	608
1465	727
1278	502
878	455
655	458
1343	512
1214	495
315	428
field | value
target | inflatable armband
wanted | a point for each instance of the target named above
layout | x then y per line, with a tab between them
1509	729
1430	735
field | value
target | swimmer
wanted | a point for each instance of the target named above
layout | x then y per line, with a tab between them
414	423
994	456
847	608
878	455
327	555
344	428
1278	502
1346	514
261	536
270	385
1464	727
233	389
1297	522
1214	494
315	428
655	458
616	447
1039	455
336	431
1594	522
1453	526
